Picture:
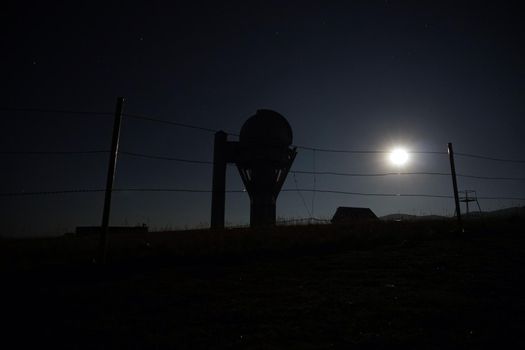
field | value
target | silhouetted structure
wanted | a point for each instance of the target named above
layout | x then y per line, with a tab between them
468	196
263	157
92	230
348	215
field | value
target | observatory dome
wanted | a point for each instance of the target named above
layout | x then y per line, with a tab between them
267	127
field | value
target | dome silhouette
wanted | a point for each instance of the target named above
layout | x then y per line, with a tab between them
267	127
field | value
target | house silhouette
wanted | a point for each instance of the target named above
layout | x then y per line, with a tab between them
346	215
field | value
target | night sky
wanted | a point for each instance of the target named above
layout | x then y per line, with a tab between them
350	75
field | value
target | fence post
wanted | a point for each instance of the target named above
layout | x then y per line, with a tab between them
109	183
454	184
218	196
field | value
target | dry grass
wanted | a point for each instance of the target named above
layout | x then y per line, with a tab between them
377	286
209	243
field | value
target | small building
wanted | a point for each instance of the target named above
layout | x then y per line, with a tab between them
348	215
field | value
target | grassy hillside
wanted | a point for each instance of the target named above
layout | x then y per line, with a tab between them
305	287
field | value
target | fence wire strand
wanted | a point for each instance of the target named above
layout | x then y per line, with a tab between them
148	156
169	122
51	152
55	111
332	173
35	193
470	155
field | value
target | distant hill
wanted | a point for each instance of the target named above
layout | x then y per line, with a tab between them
408	217
501	213
507	212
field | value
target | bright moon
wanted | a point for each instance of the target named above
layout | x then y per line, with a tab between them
399	156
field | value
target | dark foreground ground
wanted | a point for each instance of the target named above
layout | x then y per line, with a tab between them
428	289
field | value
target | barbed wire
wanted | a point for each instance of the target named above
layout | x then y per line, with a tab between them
172	190
148	156
396	194
51	152
43	193
503	198
56	111
368	194
304	172
491	177
403	173
58	192
169	122
470	155
332	150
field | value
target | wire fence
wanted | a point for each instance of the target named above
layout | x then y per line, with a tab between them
299	190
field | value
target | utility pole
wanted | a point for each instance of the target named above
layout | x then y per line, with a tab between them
109	183
454	184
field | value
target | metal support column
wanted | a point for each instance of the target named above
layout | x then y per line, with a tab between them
218	196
